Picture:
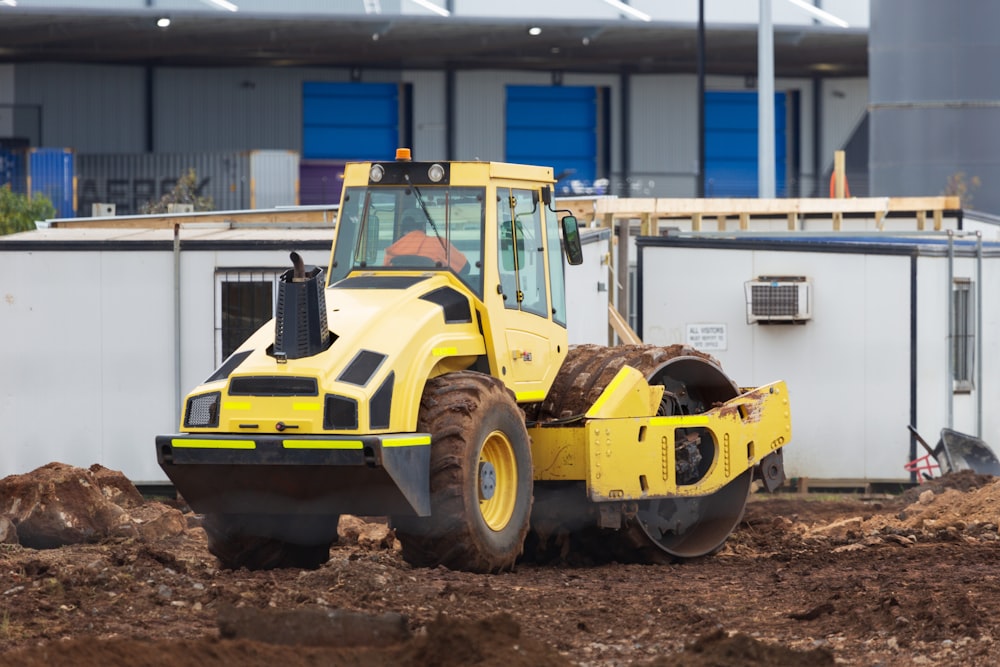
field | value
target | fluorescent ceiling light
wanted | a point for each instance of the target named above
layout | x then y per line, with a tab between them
163	22
826	17
430	6
222	4
632	11
9	3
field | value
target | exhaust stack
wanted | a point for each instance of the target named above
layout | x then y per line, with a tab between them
300	328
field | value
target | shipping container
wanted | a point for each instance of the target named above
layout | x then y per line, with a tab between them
12	172
321	181
231	180
274	179
51	172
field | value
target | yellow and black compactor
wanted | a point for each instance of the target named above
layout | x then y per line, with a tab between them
424	375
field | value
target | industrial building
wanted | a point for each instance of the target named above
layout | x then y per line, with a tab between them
606	97
640	100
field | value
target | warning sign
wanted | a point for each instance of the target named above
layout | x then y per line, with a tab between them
706	337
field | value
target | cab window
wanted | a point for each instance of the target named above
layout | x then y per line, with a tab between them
521	251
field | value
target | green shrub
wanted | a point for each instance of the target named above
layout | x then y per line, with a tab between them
185	191
19	212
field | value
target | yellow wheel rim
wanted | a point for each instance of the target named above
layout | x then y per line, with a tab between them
496	480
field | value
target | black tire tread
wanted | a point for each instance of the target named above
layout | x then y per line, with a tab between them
452	409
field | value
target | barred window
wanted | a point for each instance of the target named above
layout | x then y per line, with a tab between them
245	300
964	334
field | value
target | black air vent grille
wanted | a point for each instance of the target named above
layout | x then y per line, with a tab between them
381	404
341	413
273	386
362	367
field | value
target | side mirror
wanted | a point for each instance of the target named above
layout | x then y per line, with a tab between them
571	240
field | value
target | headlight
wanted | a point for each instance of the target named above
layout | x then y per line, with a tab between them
435	172
376	173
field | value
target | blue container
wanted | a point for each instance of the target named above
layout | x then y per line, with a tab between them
12	170
51	172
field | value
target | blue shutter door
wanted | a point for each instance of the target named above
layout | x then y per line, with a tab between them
553	126
731	144
350	121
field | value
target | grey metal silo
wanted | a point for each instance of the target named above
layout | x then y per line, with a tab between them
934	98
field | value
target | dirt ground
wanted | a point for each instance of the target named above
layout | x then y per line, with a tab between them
805	579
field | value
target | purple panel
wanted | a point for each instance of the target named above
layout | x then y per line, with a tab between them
320	181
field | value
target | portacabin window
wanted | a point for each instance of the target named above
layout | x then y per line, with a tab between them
245	301
963	334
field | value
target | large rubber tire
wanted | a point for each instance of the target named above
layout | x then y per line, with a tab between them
476	427
236	541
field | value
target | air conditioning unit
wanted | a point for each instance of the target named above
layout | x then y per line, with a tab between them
779	300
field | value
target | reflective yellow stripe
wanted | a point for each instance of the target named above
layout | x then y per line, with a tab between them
306	406
444	351
236	405
530	396
213	444
322	444
406	441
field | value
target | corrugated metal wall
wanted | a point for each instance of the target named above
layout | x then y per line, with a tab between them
664	127
235	109
934	111
430	139
100	109
479	127
845	102
86	107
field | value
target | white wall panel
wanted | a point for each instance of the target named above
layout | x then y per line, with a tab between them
587	291
848	369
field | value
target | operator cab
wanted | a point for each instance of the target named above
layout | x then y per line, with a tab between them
425	216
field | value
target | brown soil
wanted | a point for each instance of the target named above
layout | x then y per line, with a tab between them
906	580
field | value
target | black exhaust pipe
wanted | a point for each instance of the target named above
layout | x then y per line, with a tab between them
300	328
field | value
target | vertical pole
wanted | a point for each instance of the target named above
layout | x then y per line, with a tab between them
817	142
621	266
949	379
177	321
625	104
449	114
700	188
765	103
149	112
979	334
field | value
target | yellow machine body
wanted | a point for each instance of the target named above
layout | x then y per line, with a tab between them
622	452
395	384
